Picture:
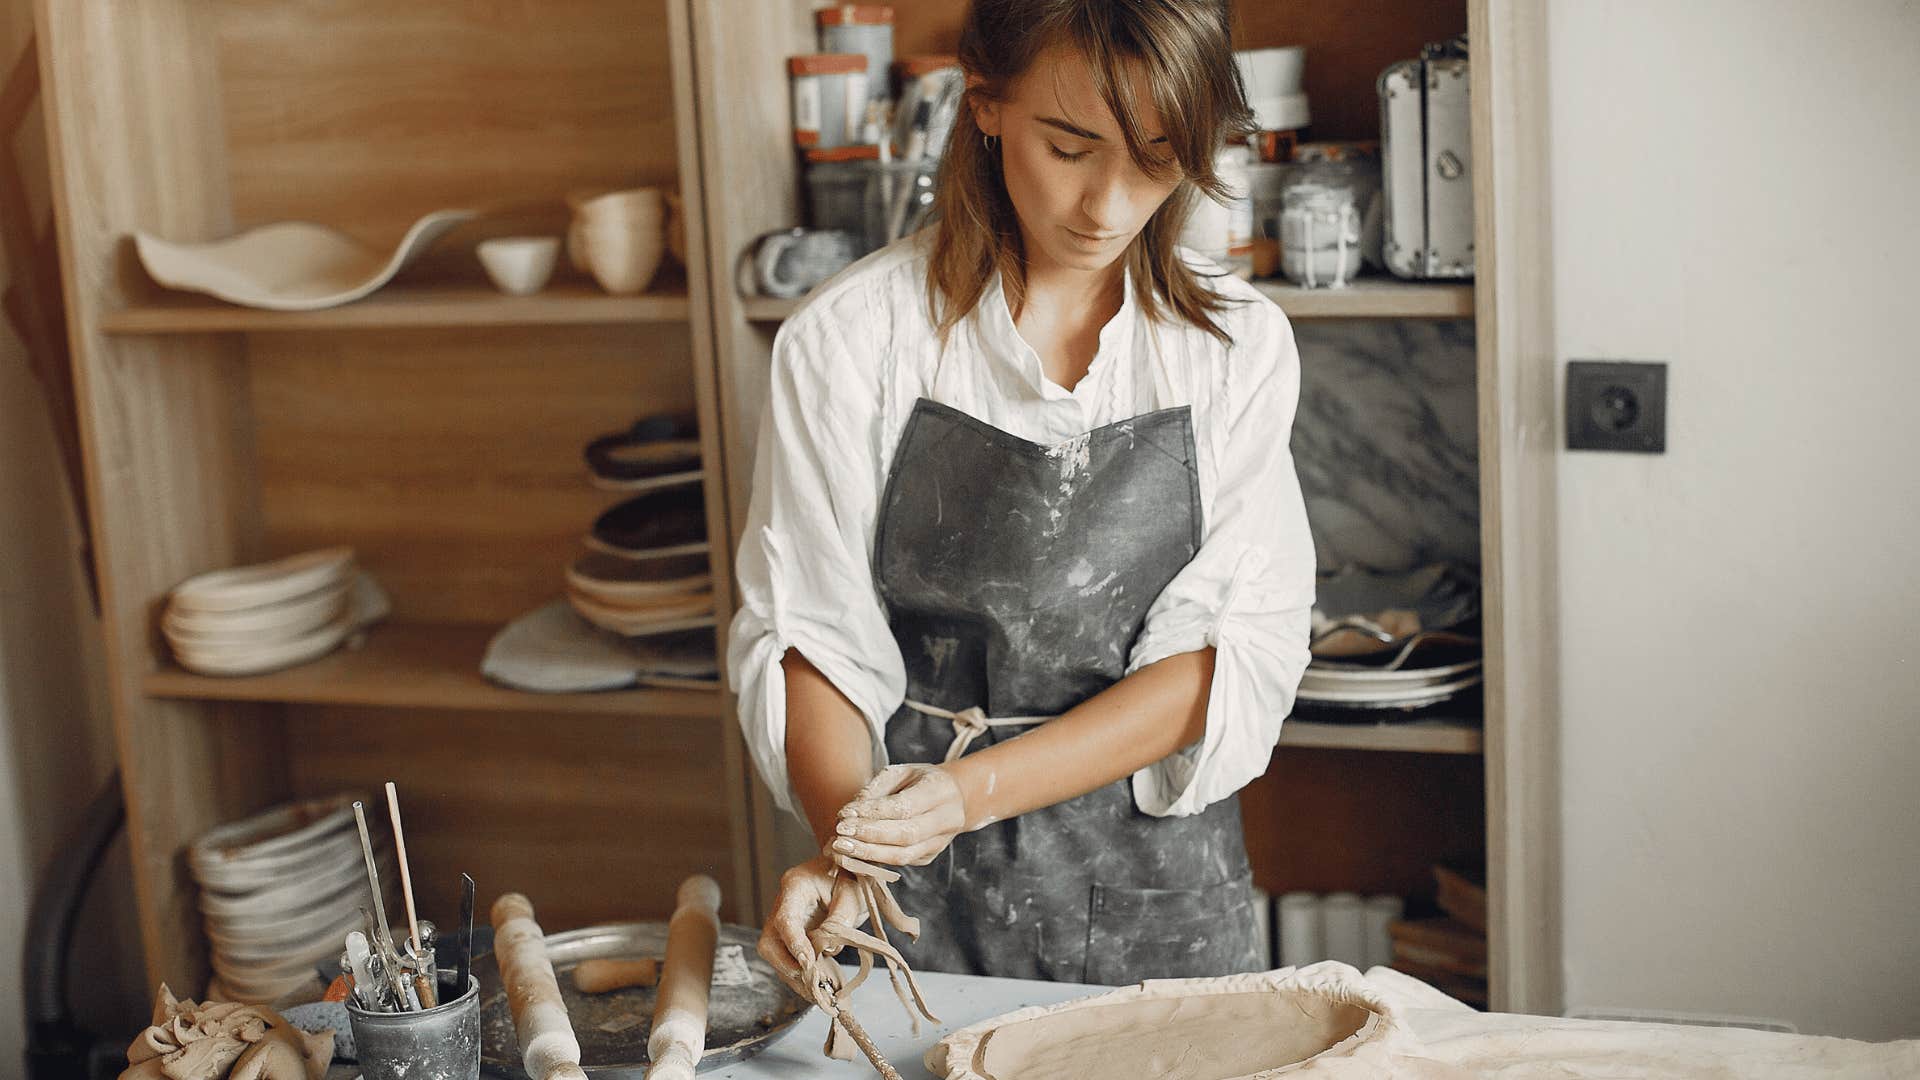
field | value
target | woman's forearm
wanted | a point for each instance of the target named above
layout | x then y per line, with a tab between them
1126	727
829	752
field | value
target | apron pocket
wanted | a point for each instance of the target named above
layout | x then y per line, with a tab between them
1137	934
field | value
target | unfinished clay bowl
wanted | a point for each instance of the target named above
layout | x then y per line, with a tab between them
1236	1027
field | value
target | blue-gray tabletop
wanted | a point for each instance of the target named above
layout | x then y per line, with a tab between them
959	1000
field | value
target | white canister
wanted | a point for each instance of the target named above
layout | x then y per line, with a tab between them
1302	939
829	98
1379	913
1346	933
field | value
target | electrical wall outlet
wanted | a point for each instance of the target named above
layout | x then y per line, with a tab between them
1617	405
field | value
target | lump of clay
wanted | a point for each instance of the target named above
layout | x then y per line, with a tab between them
1239	1026
224	1041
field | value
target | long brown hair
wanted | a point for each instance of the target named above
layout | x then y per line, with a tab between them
1186	48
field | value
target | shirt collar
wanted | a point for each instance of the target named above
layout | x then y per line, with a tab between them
1003	343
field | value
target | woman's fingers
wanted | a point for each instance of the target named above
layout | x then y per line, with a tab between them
917	853
895	831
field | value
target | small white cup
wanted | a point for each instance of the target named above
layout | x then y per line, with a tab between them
519	265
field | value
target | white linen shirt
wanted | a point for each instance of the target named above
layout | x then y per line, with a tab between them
847	367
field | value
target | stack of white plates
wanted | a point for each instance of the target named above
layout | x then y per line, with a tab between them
279	892
1353	686
255	619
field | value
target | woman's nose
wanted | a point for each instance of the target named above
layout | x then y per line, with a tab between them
1105	199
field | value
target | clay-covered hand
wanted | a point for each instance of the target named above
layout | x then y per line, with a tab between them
905	816
810	894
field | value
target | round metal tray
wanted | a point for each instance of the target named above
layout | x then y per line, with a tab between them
613	1027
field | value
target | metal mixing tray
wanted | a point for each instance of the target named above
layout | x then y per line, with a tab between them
613	1027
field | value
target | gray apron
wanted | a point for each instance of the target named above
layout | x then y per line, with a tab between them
1015	578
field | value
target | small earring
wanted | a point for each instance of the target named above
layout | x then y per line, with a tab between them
991	142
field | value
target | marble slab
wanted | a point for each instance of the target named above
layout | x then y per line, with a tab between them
1386	441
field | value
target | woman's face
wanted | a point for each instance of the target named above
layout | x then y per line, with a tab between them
1080	197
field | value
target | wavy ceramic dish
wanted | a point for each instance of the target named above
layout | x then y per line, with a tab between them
289	265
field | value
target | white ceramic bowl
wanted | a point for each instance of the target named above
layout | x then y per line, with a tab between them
256	625
519	265
317	864
280	828
264	583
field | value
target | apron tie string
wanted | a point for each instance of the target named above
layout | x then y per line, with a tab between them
970	723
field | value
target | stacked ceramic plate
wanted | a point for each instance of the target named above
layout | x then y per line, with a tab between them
1393	641
279	892
254	619
645	571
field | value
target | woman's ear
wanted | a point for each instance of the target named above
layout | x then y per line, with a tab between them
986	112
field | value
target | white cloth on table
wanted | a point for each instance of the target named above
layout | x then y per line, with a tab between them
846	370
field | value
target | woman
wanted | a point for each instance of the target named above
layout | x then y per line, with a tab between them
1025	531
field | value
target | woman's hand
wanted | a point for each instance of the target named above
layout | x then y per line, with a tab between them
810	894
905	816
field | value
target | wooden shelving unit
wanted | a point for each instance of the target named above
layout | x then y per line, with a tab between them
436	427
399	307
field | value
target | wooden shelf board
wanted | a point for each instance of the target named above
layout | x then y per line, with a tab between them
1374	298
1366	298
405	306
1416	736
419	665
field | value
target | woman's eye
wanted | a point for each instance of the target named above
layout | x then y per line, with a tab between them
1064	156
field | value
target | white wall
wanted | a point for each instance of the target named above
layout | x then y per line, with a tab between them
56	743
1734	192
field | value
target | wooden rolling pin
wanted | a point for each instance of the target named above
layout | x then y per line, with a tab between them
548	1048
600	976
679	1033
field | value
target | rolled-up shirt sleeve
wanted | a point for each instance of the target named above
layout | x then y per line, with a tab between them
805	579
1248	591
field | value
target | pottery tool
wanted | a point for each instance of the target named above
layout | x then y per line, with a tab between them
406	876
826	994
359	961
679	1032
426	976
465	969
548	1048
600	976
417	952
383	943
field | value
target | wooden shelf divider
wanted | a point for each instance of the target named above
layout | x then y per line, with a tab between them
405	306
419	665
